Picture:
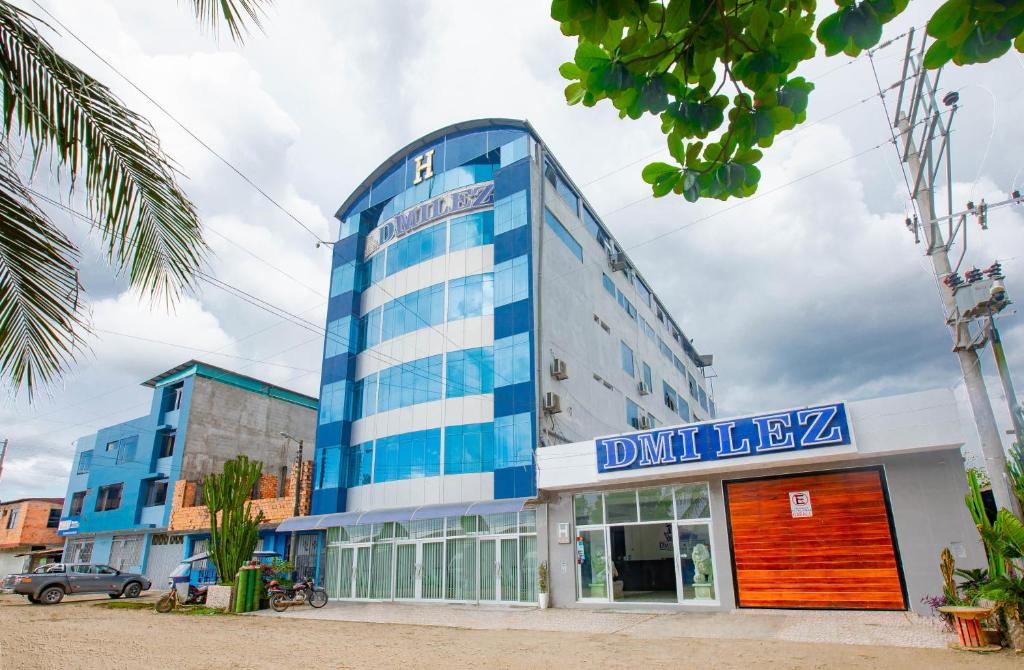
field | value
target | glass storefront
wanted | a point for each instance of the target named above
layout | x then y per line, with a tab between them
488	558
645	545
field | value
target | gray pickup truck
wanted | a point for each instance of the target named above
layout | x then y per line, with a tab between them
48	584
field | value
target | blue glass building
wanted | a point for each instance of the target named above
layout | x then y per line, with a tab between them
478	310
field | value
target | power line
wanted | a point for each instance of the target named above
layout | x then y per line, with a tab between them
185	128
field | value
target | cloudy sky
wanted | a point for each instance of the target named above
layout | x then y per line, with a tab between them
813	290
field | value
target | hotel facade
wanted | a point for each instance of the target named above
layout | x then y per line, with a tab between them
484	330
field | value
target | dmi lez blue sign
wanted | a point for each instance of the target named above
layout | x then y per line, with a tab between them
794	430
459	201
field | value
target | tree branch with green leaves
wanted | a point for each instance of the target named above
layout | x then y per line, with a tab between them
673	58
60	116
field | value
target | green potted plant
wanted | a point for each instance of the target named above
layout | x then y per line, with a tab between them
542	585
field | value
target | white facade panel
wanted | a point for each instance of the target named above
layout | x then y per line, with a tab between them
422	491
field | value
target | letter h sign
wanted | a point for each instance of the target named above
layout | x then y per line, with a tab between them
424	166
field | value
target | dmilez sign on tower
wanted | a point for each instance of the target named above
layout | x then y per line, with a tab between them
793	430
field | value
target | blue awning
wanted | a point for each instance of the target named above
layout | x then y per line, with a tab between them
342	519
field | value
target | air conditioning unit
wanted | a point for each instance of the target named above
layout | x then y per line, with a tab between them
552	403
642	422
617	261
559	370
643	388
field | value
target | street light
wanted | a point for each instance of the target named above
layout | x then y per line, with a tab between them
293	540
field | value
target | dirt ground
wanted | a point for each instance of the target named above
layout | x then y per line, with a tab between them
78	634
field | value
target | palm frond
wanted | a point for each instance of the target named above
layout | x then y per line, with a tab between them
40	314
233	13
149	229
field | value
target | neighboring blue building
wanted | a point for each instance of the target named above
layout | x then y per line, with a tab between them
123	477
478	309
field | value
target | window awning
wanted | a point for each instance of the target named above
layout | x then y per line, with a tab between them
341	519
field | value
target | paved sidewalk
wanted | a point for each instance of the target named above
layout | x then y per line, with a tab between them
890	629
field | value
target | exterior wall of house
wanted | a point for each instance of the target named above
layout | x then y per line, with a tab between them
31	525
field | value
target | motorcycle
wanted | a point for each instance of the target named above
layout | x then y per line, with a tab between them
168	601
283	597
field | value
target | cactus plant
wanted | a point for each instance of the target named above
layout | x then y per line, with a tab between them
234	529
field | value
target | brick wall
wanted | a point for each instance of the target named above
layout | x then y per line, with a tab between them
30	527
186	515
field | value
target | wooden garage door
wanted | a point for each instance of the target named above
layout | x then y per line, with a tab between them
840	557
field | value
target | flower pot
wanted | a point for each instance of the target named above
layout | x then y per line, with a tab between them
544	600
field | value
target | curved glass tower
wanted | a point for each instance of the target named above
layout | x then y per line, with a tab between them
478	310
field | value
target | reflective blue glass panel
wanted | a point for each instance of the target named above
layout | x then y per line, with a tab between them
469	448
471	296
510	212
470	372
511	281
472	230
513	440
407	456
512	360
564	235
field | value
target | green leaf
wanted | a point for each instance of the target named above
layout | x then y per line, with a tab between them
948	18
757	22
574	93
979	48
831	35
677	15
676	147
938	54
570	70
235	14
655	171
589	56
665	184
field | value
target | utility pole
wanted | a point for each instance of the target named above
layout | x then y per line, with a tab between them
1004	376
294	538
921	109
3	452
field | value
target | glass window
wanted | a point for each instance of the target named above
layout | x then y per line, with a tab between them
513	440
703	398
167	444
562	188
77	502
696	562
514	151
343	279
473	230
648	377
416	248
512	359
330	468
684	409
332	401
564	235
407	456
369	329
625	304
589	509
593	565
410	383
656	504
471	296
627	359
609	285
84	461
339	337
633	413
510	212
693	385
469	448
109	497
511	281
671	397
643	292
590	223
692	501
419	309
664	349
470	372
620	506
156	493
359	468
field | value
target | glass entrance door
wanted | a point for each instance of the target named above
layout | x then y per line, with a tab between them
508	570
362	571
488	570
592	565
346	573
431	582
406	569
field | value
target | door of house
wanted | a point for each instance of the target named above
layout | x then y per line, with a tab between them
815	541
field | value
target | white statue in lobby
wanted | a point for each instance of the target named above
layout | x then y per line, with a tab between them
702	582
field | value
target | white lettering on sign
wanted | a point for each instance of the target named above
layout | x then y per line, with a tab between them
800	504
